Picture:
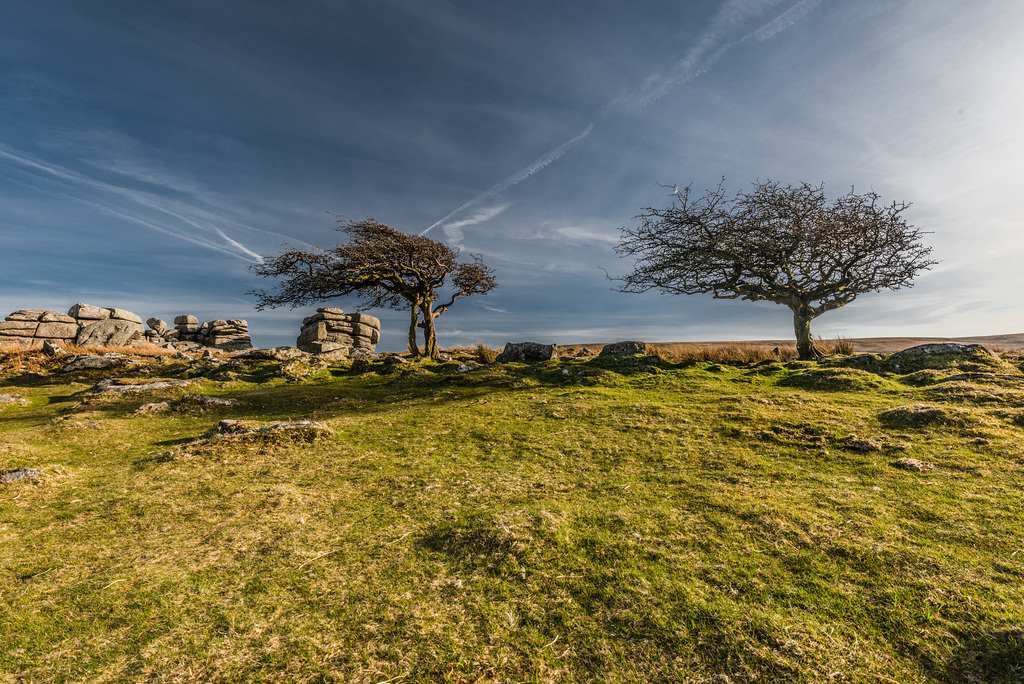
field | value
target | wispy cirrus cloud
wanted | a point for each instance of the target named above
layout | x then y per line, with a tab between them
717	39
515	179
183	220
453	230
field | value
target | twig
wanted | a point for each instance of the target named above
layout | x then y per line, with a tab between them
328	553
551	644
113	583
399	539
394	679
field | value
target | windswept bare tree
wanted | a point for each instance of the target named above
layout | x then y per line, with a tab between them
384	268
783	244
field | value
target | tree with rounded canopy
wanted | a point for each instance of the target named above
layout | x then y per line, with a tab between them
783	244
383	267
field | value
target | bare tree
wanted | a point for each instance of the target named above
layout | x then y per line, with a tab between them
783	244
384	268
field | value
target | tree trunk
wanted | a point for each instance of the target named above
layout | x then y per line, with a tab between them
429	333
804	342
413	347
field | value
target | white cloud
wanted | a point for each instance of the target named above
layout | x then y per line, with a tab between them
453	230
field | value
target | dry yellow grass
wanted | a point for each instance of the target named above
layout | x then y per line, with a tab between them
31	360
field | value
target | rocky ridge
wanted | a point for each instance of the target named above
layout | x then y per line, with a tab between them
95	326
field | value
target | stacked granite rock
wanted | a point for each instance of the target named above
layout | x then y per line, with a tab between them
32	327
331	329
230	335
83	324
105	327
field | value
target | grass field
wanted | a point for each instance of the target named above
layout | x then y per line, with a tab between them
628	519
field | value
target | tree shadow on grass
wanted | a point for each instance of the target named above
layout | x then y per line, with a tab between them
992	657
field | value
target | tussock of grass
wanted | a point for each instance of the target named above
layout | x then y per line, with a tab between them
563	522
834	379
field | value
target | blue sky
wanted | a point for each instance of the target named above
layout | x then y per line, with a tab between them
151	152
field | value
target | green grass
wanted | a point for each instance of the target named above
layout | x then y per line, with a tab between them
612	520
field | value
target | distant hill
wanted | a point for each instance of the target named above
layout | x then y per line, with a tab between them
867	345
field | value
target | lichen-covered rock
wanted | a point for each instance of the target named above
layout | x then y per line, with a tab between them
122	315
8	475
632	347
84	362
226	335
25	315
88	312
202	399
55	330
302	368
274	354
113	385
53	349
527	352
330	329
18	328
109	332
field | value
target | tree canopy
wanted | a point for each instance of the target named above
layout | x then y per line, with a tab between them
784	244
383	267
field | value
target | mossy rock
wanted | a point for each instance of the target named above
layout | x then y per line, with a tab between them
303	368
968	358
833	380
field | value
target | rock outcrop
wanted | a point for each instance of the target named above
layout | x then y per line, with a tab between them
333	330
95	326
631	347
83	324
527	352
230	335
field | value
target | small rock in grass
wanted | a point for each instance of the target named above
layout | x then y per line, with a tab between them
631	347
913	464
53	349
302	368
12	399
527	352
16	474
209	401
856	444
151	408
275	354
231	427
93	362
111	385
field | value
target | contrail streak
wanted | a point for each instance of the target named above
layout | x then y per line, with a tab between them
515	179
786	19
239	250
699	59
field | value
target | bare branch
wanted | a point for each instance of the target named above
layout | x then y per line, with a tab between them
381	266
784	244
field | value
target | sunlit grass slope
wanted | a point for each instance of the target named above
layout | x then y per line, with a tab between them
611	520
